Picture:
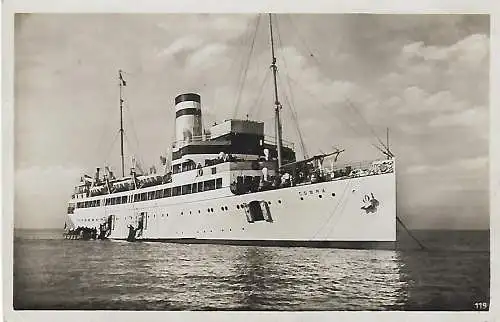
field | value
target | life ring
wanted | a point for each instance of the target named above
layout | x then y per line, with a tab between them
200	172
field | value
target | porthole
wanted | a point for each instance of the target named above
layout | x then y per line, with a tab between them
190	212
301	198
212	209
199	211
208	209
320	196
182	213
242	228
333	194
229	229
222	208
237	206
279	201
226	207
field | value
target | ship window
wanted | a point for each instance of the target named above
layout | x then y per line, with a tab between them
143	196
176	168
194	188
167	192
200	186
218	183
98	203
214	170
124	199
209	185
186	189
136	197
239	180
151	195
158	194
176	191
185	166
86	204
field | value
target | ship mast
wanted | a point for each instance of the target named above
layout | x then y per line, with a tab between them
277	123
122	83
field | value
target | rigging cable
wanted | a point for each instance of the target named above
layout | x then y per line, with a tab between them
310	54
243	79
240	45
322	105
290	103
350	104
258	100
134	132
111	147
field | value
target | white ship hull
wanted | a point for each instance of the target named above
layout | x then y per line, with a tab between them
332	213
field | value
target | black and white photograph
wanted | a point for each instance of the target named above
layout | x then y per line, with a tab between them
250	161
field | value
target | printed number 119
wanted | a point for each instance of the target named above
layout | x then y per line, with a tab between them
481	305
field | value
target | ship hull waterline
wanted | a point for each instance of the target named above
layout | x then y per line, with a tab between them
357	213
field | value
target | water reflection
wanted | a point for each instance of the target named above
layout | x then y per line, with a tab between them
318	279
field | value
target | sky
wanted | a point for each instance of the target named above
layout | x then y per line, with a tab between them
343	79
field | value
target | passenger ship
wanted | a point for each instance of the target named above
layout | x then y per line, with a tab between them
231	184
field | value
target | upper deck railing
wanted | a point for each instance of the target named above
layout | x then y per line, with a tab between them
206	139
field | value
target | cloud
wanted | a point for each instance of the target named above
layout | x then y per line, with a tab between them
426	77
472	117
181	44
206	57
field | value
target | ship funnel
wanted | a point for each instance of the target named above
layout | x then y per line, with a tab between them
187	119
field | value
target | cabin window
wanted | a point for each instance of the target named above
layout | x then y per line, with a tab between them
176	168
124	199
209	185
185	166
93	203
143	196
239	180
194	189
86	204
151	195
176	191
214	170
186	189
200	186
98	203
167	192
113	201
218	183
158	194
136	197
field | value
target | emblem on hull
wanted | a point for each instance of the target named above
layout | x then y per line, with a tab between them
370	203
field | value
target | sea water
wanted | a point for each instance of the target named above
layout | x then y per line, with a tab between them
53	273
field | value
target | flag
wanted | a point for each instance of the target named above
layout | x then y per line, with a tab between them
122	81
